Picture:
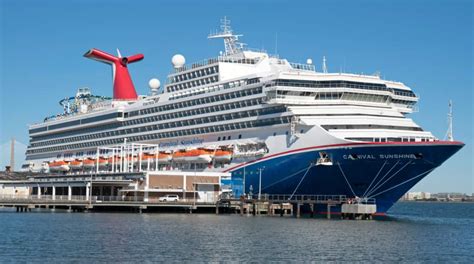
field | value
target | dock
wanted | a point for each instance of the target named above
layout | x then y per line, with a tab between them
269	205
291	205
138	189
82	203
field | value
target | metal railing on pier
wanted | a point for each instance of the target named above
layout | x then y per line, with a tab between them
82	199
304	198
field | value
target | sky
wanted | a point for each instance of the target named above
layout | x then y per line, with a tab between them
428	45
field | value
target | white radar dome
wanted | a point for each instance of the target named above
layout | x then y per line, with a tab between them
309	61
154	84
178	61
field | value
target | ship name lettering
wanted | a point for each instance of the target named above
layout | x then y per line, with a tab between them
397	156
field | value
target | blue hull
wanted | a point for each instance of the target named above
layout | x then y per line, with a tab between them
381	171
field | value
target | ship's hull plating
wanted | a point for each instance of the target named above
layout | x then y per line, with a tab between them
384	171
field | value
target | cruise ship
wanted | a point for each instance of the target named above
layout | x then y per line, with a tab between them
277	126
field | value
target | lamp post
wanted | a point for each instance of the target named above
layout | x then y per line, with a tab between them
260	182
243	181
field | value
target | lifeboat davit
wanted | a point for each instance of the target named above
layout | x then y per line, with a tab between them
194	156
222	156
76	164
59	165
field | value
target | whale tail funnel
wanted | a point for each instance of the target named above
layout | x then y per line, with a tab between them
122	82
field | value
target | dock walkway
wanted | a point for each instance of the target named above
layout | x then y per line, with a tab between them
283	205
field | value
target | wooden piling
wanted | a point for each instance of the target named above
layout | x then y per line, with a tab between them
329	211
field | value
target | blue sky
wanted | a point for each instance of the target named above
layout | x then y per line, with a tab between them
425	44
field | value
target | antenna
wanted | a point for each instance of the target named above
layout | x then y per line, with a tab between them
449	133
12	155
325	68
231	41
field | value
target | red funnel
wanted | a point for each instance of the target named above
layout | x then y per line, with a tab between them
123	85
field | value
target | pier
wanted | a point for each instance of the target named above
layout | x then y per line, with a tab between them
83	203
270	205
291	205
137	190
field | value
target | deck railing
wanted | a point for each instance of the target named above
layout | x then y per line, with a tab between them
95	199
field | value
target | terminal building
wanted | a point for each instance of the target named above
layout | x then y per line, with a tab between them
134	173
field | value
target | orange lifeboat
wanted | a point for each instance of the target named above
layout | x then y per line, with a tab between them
89	163
164	157
147	157
222	156
76	164
103	162
59	165
114	160
194	155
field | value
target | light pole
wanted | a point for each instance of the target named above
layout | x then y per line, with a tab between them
260	182
243	191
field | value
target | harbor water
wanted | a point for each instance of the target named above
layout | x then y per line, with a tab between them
414	232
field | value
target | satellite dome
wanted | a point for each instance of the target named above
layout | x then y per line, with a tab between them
178	61
154	83
309	61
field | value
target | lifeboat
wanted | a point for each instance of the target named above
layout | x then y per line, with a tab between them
115	160
76	164
59	165
222	156
194	155
89	163
162	158
131	159
103	162
147	157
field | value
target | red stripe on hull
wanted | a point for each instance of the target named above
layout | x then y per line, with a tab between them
428	143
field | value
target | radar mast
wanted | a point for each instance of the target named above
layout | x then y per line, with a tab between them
231	40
